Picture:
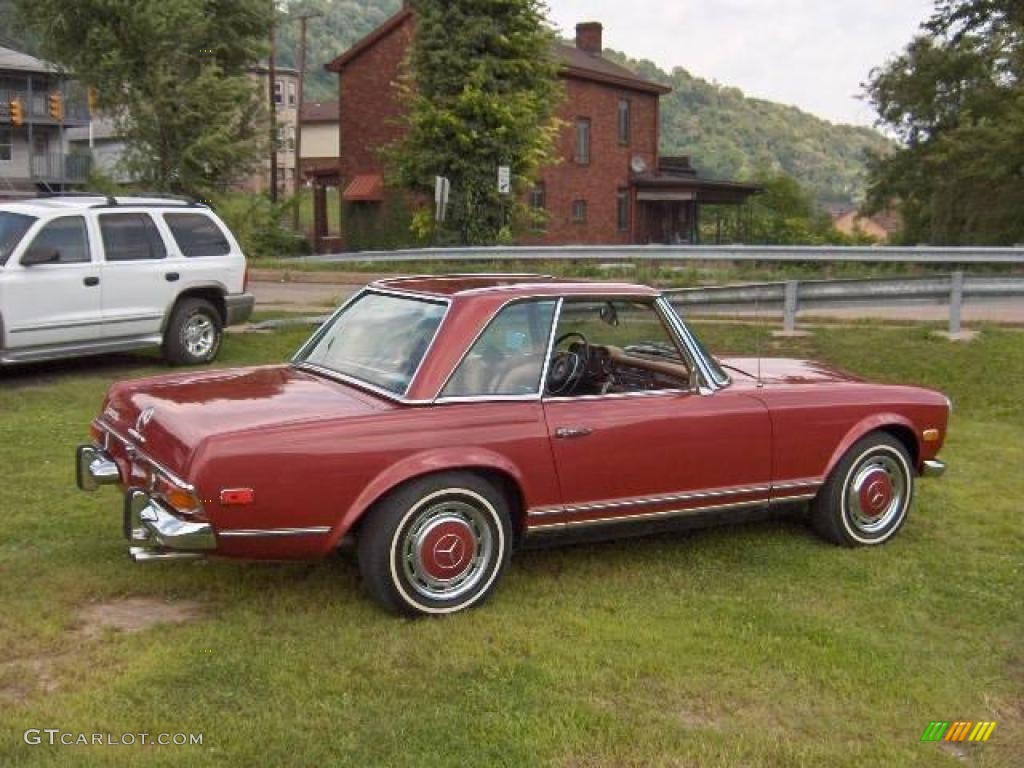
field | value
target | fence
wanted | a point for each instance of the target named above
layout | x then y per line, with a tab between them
689	253
795	295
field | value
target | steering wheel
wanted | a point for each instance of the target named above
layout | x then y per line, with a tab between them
568	367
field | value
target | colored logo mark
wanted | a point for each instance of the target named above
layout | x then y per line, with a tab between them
958	730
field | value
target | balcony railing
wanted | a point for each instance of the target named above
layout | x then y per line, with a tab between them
59	167
37	108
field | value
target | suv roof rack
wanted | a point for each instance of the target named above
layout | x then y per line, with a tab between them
155	199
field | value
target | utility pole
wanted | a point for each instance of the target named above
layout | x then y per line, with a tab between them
271	87
297	186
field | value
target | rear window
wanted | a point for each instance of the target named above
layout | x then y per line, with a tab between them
13	227
197	235
131	237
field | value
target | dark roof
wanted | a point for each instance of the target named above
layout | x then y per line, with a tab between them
575	63
589	66
320	111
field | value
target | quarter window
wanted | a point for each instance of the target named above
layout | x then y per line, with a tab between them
131	237
197	235
583	141
66	237
508	358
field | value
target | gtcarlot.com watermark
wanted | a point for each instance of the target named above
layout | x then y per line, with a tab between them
58	737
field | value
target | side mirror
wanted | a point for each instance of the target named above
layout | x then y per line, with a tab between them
40	255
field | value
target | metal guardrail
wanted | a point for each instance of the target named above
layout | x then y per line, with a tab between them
689	253
795	295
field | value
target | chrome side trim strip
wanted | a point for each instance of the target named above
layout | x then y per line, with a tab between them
141	455
646	516
644	500
797	484
787	499
250	533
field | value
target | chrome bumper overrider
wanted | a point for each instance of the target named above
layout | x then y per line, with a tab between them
933	468
155	532
94	467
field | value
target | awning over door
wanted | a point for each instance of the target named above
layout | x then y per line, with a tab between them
368	188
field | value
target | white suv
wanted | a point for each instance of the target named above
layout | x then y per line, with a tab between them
87	274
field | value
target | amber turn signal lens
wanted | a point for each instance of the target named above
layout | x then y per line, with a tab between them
930	435
181	500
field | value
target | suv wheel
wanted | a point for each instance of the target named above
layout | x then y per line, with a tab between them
194	333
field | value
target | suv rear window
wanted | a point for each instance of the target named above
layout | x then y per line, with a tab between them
13	227
131	237
197	235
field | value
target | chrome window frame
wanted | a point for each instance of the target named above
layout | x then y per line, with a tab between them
345	378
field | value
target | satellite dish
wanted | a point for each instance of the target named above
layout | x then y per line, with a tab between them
638	164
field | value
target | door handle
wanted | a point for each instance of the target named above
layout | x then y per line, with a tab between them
172	277
567	433
91	281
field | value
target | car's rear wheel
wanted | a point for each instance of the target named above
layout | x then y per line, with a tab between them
867	497
194	333
436	545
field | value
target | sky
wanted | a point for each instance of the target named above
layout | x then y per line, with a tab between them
813	54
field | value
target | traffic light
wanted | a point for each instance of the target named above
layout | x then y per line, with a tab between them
17	113
56	106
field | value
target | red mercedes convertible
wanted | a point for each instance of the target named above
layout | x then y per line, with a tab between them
442	422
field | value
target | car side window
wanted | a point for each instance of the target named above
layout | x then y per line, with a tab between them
197	235
614	347
66	238
508	357
131	237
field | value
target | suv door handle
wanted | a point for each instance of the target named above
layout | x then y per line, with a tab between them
91	281
172	277
567	433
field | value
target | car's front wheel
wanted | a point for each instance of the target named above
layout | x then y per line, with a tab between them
866	499
194	333
436	545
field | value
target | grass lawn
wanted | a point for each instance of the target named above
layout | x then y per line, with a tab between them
756	645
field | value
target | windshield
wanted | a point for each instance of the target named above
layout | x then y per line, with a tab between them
13	227
378	339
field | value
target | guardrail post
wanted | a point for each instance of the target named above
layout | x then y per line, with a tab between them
956	301
790	306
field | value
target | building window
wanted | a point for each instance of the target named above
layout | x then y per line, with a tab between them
583	141
291	94
622	208
538	197
6	144
579	211
625	118
278	92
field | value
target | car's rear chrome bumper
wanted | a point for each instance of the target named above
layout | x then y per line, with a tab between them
933	468
155	532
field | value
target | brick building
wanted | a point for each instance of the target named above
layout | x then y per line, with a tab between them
611	186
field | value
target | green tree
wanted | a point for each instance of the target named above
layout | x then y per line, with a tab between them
955	97
481	91
173	76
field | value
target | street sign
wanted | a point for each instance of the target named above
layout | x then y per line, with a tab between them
504	180
442	189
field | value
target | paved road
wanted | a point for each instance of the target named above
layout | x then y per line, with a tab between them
307	297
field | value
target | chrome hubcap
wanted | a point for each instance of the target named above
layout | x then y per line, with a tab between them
199	335
446	550
876	494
